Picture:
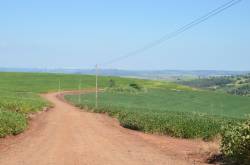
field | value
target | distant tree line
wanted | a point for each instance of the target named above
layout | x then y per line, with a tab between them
236	85
242	90
209	82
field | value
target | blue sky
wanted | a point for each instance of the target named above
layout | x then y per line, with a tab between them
82	33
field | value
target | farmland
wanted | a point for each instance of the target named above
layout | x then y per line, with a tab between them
19	94
179	113
150	106
163	108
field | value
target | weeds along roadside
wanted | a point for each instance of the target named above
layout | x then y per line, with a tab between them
15	109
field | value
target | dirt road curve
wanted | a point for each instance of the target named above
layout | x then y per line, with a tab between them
65	135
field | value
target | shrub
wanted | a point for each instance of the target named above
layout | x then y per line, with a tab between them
135	86
235	145
130	89
111	83
11	123
122	90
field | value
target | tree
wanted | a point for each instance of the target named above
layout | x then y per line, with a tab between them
111	83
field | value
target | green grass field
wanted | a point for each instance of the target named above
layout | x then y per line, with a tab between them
166	108
19	94
179	113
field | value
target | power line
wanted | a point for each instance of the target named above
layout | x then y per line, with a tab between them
179	31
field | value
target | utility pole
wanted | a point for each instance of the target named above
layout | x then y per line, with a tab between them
59	85
79	88
96	87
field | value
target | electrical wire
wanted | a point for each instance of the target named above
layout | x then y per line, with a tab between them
175	33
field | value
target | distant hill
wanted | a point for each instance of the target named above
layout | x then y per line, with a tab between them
145	74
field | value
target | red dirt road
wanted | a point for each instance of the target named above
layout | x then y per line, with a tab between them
66	135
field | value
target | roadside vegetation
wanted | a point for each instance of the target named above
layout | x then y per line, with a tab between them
11	123
235	145
15	108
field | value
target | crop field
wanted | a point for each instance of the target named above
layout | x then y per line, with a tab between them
19	94
164	108
179	113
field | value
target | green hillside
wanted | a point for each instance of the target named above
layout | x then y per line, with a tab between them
19	93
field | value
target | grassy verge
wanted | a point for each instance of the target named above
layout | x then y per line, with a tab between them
14	110
11	123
